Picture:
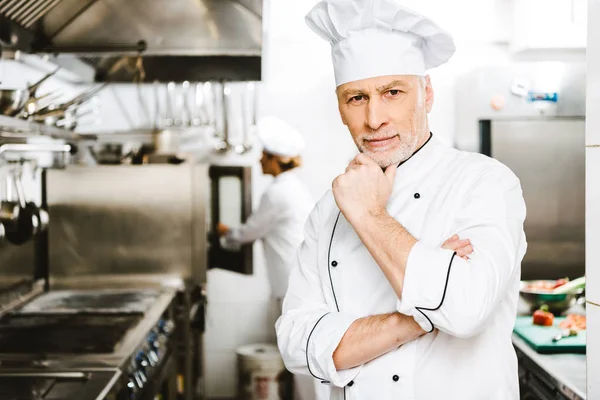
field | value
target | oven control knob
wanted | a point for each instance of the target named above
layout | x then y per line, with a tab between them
165	326
153	341
152	358
132	385
140	379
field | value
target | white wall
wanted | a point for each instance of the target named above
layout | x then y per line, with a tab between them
592	234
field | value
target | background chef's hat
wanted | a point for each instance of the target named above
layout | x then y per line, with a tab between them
372	38
279	138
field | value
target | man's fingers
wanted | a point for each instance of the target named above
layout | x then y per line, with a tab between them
456	244
464	251
390	172
352	166
363	159
450	239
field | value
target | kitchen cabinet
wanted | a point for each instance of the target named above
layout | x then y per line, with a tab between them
549	24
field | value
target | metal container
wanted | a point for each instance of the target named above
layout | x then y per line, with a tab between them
557	303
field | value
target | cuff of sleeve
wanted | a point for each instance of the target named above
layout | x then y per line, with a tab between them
426	277
231	240
418	315
322	343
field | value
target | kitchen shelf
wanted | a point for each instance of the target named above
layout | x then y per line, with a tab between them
18	126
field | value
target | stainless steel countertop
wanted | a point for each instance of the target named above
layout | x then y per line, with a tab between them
568	370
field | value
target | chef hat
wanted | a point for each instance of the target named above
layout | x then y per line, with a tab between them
279	138
371	38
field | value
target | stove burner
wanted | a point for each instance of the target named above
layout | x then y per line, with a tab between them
63	334
92	302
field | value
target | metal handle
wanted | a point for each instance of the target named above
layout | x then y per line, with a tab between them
20	191
27	148
225	99
185	114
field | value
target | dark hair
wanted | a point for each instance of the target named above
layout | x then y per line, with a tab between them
286	163
294	162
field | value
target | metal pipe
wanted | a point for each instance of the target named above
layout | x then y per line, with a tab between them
36	374
41	147
34	17
119	49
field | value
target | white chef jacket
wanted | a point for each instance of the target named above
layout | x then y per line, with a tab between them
278	221
470	306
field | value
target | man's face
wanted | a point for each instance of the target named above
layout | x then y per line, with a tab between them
387	115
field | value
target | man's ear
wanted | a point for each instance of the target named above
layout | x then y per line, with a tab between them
429	95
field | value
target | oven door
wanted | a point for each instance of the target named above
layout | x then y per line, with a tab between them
231	204
80	385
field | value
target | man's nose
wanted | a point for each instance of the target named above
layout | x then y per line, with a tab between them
376	113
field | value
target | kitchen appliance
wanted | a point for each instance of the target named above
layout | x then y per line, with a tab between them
147	227
193	40
531	117
95	342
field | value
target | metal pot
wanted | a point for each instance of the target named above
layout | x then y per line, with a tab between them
557	303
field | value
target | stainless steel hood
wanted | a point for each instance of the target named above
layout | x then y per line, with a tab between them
177	39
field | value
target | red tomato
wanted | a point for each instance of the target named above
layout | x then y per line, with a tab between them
543	318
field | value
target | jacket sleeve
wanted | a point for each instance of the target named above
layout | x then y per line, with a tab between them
258	224
457	296
309	330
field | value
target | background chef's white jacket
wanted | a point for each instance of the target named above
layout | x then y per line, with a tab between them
278	221
470	305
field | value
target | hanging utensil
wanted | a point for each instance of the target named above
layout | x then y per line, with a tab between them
169	119
224	145
198	117
27	221
58	111
33	88
34	104
246	145
9	209
186	114
12	101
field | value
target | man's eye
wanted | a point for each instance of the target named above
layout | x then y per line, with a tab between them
395	92
356	99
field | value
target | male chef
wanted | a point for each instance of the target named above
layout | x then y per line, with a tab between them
378	305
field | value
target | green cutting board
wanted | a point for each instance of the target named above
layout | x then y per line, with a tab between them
540	337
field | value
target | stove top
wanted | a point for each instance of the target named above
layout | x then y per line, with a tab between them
63	334
92	302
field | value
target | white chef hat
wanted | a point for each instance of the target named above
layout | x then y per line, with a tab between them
279	138
371	38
